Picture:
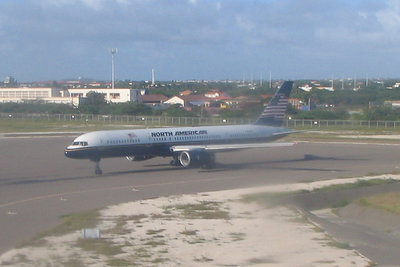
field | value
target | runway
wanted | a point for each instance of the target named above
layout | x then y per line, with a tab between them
38	184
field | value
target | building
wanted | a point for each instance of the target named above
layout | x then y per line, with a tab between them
154	100
43	95
117	95
392	103
189	101
10	81
185	93
297	103
68	96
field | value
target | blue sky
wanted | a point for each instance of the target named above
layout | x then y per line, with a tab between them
199	39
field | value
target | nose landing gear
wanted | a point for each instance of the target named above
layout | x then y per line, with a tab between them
97	169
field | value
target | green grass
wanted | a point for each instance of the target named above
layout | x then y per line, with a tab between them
343	134
389	202
358	183
340	204
44	125
159	260
203	259
271	199
277	198
337	244
70	223
202	210
154	232
189	232
118	262
99	246
39	125
257	261
155	243
17	259
237	236
76	262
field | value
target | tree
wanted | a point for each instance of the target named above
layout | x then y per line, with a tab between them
131	109
93	103
177	111
93	98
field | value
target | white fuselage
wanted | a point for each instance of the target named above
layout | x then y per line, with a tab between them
157	141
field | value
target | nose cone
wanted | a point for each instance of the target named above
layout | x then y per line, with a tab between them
68	152
77	153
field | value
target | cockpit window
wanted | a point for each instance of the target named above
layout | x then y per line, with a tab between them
80	143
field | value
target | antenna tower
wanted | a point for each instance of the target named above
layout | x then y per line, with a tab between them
113	51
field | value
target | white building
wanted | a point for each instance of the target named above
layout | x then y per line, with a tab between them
175	100
119	95
45	95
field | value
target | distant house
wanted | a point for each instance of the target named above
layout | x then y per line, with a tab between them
242	102
213	94
392	103
296	103
396	85
185	93
189	101
175	100
326	88
154	100
306	88
217	95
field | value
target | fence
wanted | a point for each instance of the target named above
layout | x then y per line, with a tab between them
126	119
347	124
193	121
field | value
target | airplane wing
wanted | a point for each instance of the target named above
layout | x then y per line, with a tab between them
227	147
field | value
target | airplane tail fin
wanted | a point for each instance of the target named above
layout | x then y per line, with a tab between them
274	113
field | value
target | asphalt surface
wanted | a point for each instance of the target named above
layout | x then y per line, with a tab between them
38	184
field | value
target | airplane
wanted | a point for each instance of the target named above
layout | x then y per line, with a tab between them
188	146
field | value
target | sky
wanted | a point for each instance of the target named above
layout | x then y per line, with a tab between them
199	39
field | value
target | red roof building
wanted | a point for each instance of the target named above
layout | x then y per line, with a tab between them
156	99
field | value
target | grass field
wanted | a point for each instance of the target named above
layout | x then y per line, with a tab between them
21	126
388	202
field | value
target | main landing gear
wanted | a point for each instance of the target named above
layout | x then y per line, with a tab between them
97	169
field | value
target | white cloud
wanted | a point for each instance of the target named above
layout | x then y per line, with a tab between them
218	6
95	4
389	18
123	2
262	27
92	4
363	15
245	23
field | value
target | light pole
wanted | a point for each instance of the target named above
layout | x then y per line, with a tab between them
113	52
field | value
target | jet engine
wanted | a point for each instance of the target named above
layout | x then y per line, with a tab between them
192	158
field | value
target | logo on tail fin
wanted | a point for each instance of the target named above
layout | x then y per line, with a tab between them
275	111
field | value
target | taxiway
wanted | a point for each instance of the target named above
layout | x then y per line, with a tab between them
38	184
